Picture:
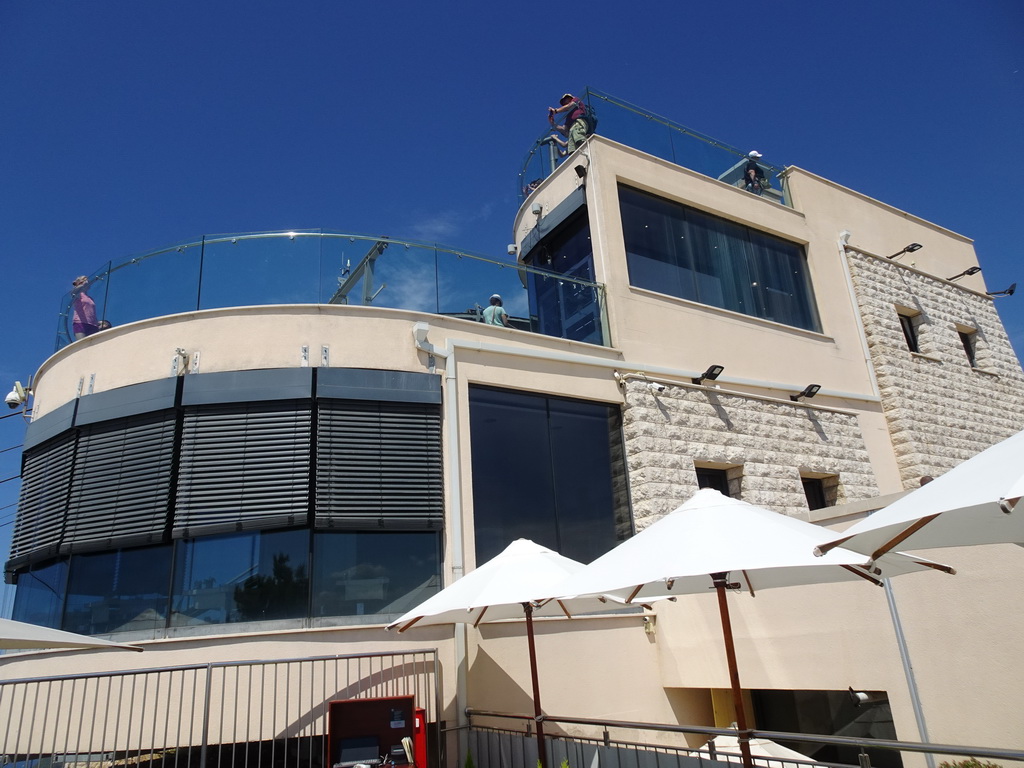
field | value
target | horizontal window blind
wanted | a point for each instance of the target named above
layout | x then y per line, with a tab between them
121	481
45	479
243	466
379	466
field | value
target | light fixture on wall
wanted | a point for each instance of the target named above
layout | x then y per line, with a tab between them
1005	292
809	391
908	249
581	171
712	373
966	273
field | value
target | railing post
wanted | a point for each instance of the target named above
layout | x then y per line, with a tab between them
206	716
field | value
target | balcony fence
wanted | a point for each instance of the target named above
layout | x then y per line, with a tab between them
648	132
258	714
323	267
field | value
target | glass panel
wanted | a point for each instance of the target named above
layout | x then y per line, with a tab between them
648	132
241	577
509	442
163	283
465	285
683	252
561	446
382	274
358	574
569	309
247	270
119	591
82	308
582	467
39	598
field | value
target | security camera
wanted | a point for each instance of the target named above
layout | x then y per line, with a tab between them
656	387
536	209
17	396
512	249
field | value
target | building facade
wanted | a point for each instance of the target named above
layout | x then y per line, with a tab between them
251	480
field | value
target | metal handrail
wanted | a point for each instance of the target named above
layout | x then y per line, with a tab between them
892	744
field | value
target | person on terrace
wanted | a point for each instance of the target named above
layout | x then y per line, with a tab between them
83	322
754	179
575	128
495	314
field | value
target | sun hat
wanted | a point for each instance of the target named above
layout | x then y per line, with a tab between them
565	97
496	296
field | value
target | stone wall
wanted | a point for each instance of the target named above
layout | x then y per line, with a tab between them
940	410
763	444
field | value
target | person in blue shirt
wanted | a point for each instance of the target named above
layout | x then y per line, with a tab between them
495	314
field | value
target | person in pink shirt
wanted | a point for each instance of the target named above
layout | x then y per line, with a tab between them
83	323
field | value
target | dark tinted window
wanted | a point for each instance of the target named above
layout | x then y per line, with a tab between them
359	574
543	470
120	591
257	576
40	595
680	251
717	479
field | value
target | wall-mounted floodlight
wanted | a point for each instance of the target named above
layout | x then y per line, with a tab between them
809	391
1005	292
712	373
581	171
908	249
966	273
536	209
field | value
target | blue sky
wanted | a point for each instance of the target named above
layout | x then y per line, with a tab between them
127	126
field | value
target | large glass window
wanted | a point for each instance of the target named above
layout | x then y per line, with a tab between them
120	591
364	573
565	308
255	576
39	598
683	252
544	469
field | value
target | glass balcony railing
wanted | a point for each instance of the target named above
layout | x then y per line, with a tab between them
641	129
323	267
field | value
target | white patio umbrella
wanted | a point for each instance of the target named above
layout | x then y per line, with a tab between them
516	583
17	635
973	503
713	538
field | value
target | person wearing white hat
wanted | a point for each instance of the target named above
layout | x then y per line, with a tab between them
495	314
754	179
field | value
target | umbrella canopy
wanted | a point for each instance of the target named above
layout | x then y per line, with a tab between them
515	584
712	533
19	635
973	503
524	572
713	538
765	752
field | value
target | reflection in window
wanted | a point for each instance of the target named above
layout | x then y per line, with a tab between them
545	469
683	252
256	576
562	308
39	598
120	591
359	574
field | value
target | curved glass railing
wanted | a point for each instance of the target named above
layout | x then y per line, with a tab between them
324	267
642	129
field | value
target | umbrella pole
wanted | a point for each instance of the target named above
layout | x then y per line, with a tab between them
541	754
721	582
